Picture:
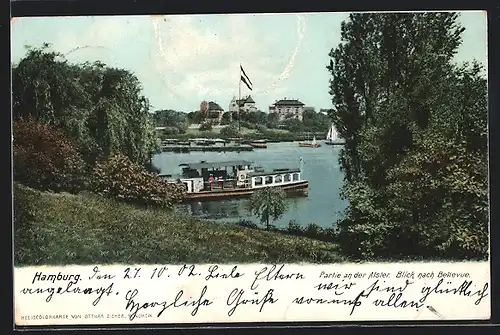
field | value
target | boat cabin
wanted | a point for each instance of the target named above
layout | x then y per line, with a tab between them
232	175
205	176
274	178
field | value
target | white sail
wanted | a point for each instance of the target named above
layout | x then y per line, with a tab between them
335	135
329	135
332	134
314	140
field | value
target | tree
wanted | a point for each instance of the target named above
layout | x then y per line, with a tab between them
195	117
229	131
100	107
269	204
315	122
400	103
226	118
293	125
272	120
171	118
206	126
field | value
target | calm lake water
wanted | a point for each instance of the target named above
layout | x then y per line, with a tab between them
322	206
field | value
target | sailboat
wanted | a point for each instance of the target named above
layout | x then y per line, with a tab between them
312	144
332	138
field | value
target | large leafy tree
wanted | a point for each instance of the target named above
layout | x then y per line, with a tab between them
101	107
409	115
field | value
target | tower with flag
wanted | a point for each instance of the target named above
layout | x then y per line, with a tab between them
246	80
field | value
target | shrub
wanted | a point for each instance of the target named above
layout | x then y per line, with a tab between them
229	131
294	228
45	158
248	125
261	129
248	224
205	127
313	230
120	178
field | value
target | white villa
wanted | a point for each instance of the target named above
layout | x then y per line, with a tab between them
246	105
287	109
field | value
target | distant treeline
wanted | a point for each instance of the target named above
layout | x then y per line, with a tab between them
177	123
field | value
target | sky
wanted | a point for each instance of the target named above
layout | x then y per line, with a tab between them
182	60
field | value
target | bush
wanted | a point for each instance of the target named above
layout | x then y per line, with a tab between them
205	127
248	125
229	131
248	224
261	129
120	178
294	228
45	158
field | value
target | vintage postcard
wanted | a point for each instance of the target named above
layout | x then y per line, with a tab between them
250	168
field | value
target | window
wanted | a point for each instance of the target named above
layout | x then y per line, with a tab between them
287	178
269	180
258	180
278	179
295	177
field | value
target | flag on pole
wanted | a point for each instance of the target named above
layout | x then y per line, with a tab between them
245	79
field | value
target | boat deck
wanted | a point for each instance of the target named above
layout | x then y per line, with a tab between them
291	188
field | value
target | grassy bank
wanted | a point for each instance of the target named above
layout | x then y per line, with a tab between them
54	229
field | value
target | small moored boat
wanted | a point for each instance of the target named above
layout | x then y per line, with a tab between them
312	144
258	145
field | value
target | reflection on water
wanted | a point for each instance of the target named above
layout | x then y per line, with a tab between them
322	206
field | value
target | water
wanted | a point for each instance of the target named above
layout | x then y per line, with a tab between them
322	206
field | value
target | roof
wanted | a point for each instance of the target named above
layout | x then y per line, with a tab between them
276	172
288	102
248	99
208	165
212	106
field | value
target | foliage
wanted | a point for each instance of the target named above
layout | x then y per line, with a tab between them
415	158
100	107
229	131
89	229
205	127
253	117
45	158
272	120
195	117
293	125
313	121
174	121
226	118
268	204
120	178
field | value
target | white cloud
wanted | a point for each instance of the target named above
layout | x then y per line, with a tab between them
199	60
102	32
193	57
